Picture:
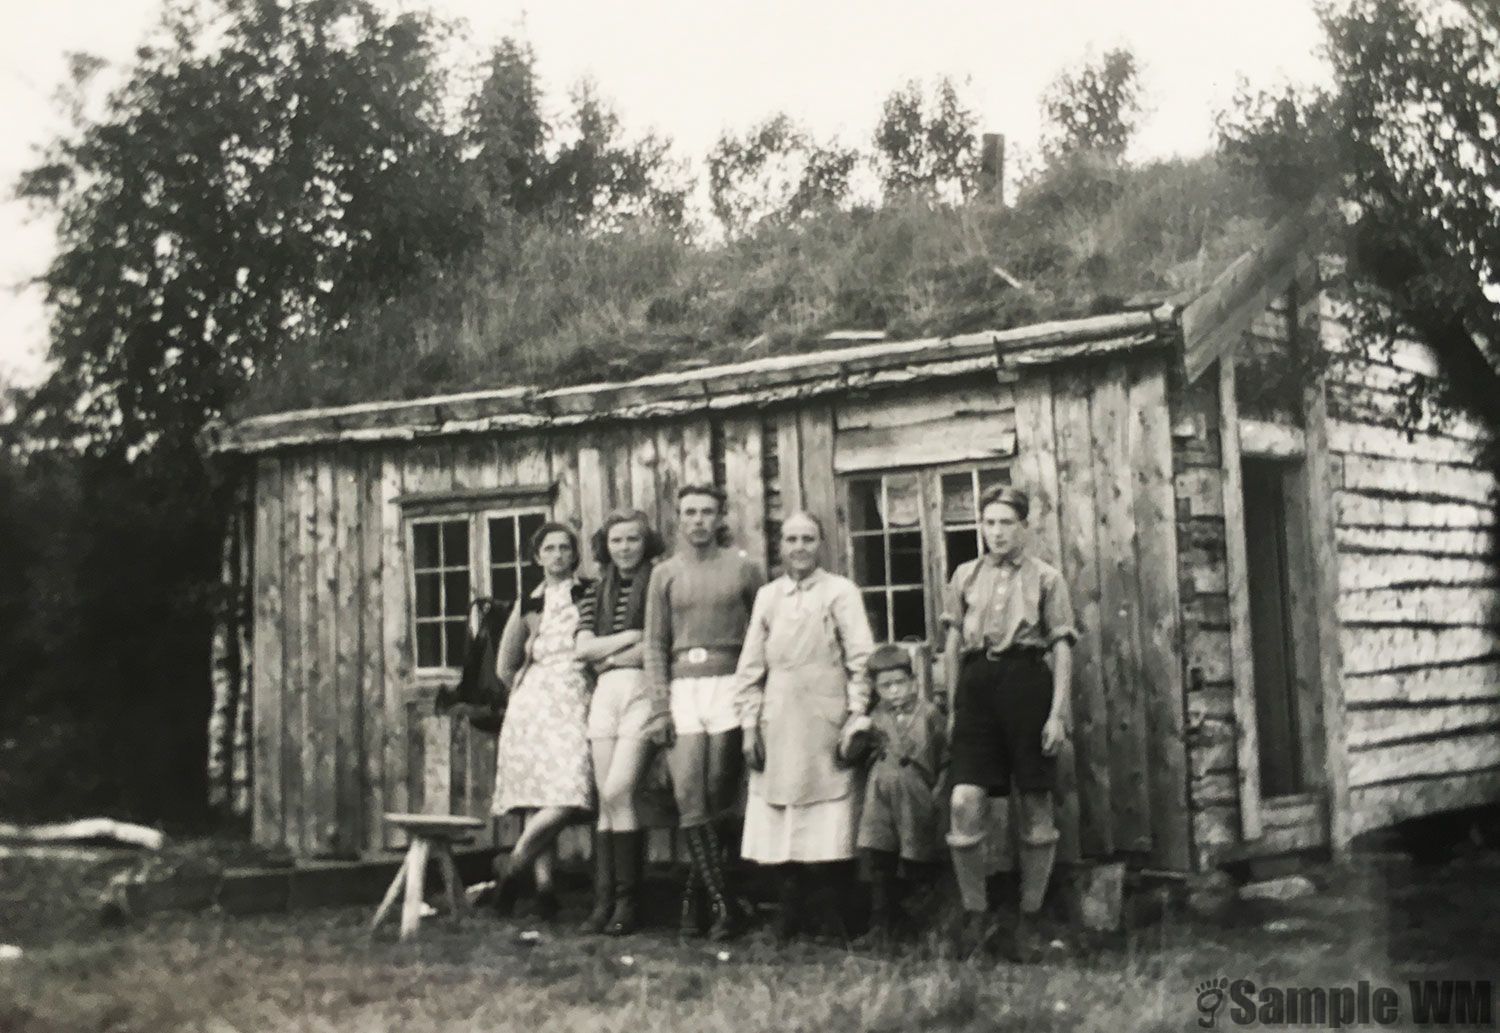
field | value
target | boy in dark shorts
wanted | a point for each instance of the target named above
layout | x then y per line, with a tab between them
1006	614
906	737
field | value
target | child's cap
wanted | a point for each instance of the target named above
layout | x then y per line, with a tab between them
888	657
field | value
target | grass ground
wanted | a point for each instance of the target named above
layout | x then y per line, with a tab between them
319	970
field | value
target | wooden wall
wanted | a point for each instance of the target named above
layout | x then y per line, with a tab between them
1410	658
1095	452
1419	598
343	725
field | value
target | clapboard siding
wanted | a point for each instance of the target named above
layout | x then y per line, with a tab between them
1420	600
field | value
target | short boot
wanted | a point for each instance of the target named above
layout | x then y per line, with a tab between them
604	884
626	847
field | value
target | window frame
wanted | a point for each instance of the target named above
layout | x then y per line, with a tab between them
930	523
414	620
475	514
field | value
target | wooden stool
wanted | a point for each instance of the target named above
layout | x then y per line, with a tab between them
432	838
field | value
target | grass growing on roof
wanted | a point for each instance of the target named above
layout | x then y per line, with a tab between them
540	304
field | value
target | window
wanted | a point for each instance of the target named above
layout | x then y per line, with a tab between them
895	521
512	571
440	576
962	490
456	556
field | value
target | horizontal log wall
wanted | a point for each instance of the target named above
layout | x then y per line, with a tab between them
1420	592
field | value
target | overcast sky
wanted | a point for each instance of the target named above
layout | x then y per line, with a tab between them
690	69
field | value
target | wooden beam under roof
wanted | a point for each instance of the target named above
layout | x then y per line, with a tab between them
1215	320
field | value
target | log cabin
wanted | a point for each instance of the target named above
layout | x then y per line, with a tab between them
1287	600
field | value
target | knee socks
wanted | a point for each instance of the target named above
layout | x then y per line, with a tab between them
969	869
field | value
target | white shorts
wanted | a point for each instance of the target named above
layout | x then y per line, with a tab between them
619	709
704	705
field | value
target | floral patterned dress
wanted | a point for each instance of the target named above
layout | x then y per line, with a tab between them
543	756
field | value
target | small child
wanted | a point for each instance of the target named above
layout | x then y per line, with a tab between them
905	790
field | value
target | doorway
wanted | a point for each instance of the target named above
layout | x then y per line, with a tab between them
1283	635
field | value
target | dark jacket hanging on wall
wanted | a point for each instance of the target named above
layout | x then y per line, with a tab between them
480	695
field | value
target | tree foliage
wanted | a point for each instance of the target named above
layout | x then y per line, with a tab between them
775	170
235	196
1401	159
927	143
1096	108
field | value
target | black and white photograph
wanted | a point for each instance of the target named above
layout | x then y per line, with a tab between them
749	517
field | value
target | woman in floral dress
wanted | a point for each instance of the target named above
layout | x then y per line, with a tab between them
542	766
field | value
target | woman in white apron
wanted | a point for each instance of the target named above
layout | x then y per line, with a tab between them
801	677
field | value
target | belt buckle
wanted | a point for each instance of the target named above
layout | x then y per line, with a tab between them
697	655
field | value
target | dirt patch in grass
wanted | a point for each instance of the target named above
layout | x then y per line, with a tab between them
319	970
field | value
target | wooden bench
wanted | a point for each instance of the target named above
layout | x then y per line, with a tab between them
432	838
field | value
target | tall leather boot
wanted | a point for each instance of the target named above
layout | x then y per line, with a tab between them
789	917
690	922
604	883
626	847
703	845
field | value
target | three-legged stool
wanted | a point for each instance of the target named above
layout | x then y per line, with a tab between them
432	838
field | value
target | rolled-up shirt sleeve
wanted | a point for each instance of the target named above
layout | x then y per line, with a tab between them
1057	610
858	643
750	673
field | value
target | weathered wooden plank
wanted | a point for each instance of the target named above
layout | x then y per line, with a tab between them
1328	573
301	514
593	494
320	742
1440	480
1215	830
643	482
1430	685
1360	438
1433	604
1368	650
745	486
819	490
1203	490
1270	440
1214	321
982	399
349	591
953	440
428	468
669	471
1241	659
1371	572
269	682
396	646
372	652
1367	405
1078	531
697	452
1301	590
1375	807
1479	542
1035	471
789	456
1374	728
1159	613
1457	751
567	500
1110	426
